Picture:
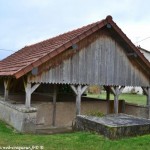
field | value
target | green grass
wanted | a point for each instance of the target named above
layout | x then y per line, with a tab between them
72	141
129	98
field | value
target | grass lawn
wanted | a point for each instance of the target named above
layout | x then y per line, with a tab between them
72	141
129	98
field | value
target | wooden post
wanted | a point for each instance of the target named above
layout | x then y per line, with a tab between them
108	100
79	90
148	99
116	91
107	89
29	90
28	95
108	94
147	93
116	99
78	100
6	88
54	105
148	102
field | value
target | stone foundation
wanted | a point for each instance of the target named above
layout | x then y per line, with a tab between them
40	115
136	110
113	126
22	119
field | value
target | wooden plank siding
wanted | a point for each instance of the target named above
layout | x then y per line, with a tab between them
99	60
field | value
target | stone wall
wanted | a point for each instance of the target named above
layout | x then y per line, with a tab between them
135	110
65	111
18	117
27	120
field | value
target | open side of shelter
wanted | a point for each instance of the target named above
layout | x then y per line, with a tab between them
96	54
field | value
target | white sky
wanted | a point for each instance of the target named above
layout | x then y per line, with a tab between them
24	22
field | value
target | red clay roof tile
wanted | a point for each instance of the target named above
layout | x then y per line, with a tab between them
31	56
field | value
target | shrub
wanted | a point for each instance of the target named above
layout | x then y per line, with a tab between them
95	113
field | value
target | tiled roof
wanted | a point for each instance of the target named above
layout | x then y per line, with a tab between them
24	60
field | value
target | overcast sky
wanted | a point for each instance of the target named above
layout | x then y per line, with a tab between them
24	22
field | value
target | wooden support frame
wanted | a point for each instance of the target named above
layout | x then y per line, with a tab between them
54	104
108	94
116	90
7	83
79	90
29	89
146	91
107	88
108	91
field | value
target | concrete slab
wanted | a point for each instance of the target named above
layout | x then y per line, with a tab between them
114	126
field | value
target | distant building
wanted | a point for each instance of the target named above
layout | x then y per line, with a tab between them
145	52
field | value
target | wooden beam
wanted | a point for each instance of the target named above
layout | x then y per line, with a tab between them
108	94
78	100
148	95
148	101
79	90
116	97
54	104
113	90
107	89
29	90
116	91
24	82
28	95
121	89
146	92
34	87
74	89
6	88
83	89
